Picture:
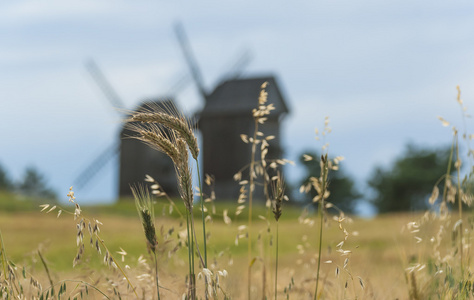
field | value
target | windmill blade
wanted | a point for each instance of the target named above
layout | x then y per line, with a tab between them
179	85
238	66
96	166
190	60
104	85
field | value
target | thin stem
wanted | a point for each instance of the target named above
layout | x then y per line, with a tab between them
320	246
195	240
190	257
276	263
189	243
321	207
203	228
45	267
202	212
156	276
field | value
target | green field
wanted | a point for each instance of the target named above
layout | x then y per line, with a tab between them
381	249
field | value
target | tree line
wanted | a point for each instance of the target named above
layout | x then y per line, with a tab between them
32	184
405	185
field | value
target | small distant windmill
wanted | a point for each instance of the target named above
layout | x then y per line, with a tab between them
137	159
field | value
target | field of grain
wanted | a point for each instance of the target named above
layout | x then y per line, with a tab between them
381	249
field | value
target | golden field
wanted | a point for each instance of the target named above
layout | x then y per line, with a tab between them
381	250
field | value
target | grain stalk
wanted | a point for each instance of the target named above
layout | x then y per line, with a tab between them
192	276
173	143
278	193
276	261
145	208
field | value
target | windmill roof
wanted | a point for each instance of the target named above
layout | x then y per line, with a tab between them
240	96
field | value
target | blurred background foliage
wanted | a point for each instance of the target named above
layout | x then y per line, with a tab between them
407	183
403	185
32	185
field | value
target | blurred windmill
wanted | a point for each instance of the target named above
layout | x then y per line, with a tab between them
227	113
137	159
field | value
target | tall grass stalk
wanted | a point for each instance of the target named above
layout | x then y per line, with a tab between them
278	193
192	276
156	276
276	262
45	267
203	227
174	143
251	190
145	208
324	174
457	165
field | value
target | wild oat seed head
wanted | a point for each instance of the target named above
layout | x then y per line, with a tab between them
278	193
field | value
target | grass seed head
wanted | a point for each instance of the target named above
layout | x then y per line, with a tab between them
145	210
172	119
278	191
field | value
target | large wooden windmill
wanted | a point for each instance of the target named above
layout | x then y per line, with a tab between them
136	159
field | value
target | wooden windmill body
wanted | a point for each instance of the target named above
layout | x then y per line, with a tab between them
226	115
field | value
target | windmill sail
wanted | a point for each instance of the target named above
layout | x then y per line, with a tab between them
190	60
104	85
97	164
112	151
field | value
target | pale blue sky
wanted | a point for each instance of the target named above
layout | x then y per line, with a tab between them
381	70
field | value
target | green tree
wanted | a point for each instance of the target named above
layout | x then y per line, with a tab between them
344	193
408	182
34	185
5	182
